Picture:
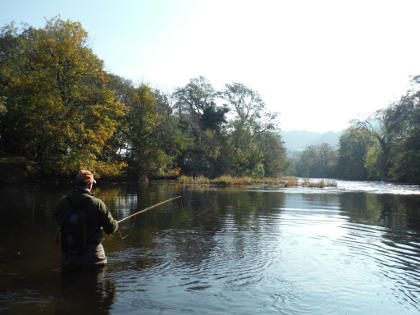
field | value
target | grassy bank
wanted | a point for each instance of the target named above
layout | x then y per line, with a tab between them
243	181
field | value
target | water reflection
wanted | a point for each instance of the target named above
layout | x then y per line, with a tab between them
396	247
217	250
85	291
396	212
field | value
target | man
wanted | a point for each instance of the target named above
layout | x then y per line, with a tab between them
96	217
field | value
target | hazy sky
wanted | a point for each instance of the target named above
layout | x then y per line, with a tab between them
318	63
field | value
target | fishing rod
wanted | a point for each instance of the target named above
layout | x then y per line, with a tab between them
147	209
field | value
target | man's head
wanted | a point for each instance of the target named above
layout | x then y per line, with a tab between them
84	179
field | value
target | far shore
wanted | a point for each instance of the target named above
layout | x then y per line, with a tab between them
224	181
14	175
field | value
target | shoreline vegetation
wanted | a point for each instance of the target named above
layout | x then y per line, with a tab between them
284	182
61	111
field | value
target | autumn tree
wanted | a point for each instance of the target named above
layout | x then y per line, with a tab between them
57	110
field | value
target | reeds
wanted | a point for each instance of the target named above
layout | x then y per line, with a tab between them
228	180
191	180
319	184
290	181
232	181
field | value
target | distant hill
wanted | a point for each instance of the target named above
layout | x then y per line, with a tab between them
298	140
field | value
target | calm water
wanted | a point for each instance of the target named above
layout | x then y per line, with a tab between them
354	249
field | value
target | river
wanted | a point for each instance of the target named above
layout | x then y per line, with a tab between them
350	249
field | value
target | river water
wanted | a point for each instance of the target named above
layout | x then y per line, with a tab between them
350	249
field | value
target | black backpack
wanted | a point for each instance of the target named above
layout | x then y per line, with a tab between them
74	230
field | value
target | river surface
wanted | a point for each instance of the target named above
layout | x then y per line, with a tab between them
350	249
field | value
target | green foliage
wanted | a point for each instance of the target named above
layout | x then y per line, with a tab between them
147	133
59	112
257	150
403	119
374	162
354	146
195	106
389	148
201	121
275	158
317	161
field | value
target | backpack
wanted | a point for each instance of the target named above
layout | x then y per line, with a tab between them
74	230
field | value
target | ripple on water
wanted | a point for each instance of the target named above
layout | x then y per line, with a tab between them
305	256
345	258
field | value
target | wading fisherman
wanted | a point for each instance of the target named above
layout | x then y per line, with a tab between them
83	219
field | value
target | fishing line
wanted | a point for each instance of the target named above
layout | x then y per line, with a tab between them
191	218
196	215
188	218
129	232
140	212
147	209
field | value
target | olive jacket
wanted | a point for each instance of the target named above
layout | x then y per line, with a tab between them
99	220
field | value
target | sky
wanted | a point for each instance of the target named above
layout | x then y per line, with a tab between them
319	64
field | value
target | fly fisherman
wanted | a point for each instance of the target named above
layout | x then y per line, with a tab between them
83	219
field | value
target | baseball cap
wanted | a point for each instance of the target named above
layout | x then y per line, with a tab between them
84	176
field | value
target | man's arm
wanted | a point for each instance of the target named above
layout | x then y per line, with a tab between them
105	218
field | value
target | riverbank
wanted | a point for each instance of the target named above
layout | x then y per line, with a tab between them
17	171
14	174
245	181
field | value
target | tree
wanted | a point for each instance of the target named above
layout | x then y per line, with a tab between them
249	109
403	121
148	137
353	148
374	163
250	132
275	159
148	132
381	127
386	146
196	105
317	161
201	120
59	111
